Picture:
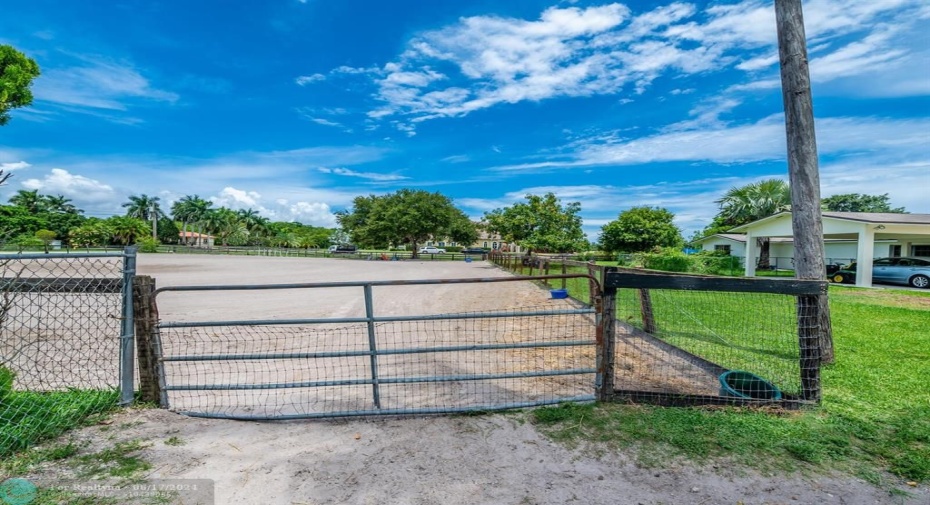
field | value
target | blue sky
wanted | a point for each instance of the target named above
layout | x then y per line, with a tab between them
295	107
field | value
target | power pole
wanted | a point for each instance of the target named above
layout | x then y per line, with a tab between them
154	221
803	172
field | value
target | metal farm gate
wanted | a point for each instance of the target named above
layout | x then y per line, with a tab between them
372	359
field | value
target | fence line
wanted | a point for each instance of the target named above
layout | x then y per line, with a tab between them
65	341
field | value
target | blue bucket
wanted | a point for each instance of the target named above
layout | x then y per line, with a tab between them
467	259
739	384
558	293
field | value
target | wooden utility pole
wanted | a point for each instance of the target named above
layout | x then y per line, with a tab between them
154	221
803	173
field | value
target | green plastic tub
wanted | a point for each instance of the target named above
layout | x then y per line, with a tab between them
739	384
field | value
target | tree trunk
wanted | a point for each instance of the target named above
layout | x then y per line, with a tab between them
765	247
803	170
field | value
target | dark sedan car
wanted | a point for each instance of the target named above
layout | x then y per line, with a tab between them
912	271
474	250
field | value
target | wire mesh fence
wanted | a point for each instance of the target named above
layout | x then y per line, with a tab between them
578	288
737	344
60	327
376	365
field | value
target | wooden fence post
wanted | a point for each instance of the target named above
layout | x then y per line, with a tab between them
649	317
564	270
146	319
606	334
809	330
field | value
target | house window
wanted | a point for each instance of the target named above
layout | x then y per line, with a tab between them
485	244
442	244
430	243
921	250
895	251
494	246
722	247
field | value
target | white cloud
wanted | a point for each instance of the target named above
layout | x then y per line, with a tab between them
278	209
363	175
18	165
79	188
763	140
97	84
314	213
236	198
303	80
572	52
457	158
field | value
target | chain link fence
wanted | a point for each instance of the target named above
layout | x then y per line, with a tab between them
61	322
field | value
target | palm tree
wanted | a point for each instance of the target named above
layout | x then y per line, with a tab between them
60	204
224	223
30	200
184	210
254	223
744	204
144	207
200	212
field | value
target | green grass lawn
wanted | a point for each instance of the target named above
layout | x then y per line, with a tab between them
875	415
29	417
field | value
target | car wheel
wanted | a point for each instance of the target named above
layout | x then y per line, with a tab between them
838	278
920	281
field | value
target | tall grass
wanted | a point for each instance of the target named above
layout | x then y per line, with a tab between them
28	417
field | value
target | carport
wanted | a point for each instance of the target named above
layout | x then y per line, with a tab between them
904	235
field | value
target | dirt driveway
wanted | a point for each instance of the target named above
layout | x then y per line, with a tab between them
448	460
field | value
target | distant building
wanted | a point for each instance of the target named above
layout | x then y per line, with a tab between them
489	241
196	239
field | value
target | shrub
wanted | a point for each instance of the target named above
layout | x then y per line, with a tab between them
716	263
667	259
148	245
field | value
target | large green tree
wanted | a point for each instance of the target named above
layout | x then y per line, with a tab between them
31	211
745	204
541	223
16	74
856	202
94	232
641	229
405	217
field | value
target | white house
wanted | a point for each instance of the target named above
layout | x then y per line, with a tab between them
874	235
781	249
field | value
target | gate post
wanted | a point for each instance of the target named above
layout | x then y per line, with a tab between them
126	362
370	314
148	353
606	308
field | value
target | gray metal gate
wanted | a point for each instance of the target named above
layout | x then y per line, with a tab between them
370	364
